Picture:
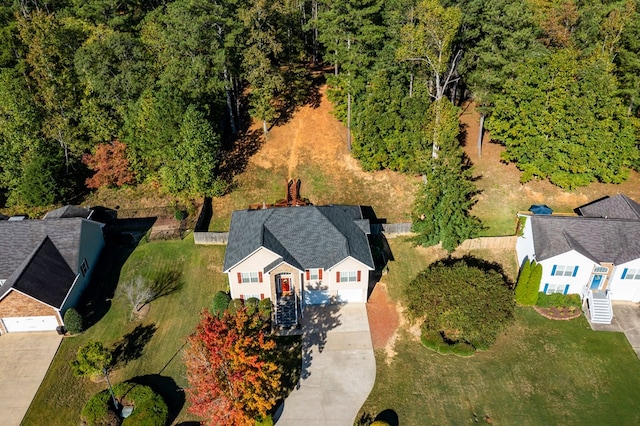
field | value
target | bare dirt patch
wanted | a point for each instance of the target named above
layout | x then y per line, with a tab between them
383	316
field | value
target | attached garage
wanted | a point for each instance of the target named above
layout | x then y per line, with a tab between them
355	295
316	297
17	324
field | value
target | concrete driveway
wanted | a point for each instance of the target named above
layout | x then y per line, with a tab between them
626	318
24	361
338	367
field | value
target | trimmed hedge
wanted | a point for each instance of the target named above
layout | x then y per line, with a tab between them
149	407
73	321
220	303
234	305
528	283
252	305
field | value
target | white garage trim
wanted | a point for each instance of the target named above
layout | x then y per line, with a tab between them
18	324
351	295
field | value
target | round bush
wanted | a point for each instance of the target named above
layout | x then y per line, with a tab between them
149	407
73	321
234	305
252	305
220	303
264	307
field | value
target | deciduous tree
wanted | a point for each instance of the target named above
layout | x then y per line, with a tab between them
110	164
231	378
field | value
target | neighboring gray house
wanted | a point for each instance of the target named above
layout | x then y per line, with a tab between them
297	256
595	254
44	267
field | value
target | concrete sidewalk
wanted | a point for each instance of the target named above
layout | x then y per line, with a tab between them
338	370
24	361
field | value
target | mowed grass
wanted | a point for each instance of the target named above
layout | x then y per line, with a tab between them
539	371
152	349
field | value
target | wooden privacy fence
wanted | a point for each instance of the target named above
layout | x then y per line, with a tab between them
503	243
208	238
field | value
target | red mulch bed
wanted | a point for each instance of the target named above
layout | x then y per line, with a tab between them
561	314
383	316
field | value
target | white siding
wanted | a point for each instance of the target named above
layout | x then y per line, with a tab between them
571	258
256	262
628	290
347	265
524	243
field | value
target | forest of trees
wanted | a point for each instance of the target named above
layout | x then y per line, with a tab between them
112	92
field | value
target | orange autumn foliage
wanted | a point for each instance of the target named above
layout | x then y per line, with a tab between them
110	164
231	380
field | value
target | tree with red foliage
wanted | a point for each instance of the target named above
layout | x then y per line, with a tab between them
231	379
111	165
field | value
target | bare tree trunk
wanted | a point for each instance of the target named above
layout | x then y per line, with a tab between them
480	135
349	121
232	121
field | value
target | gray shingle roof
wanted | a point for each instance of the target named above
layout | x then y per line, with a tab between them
602	240
305	237
19	239
617	207
68	211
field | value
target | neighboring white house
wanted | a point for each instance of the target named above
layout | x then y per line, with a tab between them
595	254
297	256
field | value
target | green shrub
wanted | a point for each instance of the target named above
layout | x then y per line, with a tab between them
528	283
73	321
380	423
264	421
234	305
91	359
252	305
220	303
149	407
264	308
558	300
179	215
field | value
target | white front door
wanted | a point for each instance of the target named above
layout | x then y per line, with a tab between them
17	324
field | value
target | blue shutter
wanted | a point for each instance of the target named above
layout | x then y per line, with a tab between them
624	273
575	271
546	286
553	270
566	288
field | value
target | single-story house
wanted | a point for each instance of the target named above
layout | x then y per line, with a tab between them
595	253
44	267
298	256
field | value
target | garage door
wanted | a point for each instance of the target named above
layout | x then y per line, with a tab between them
16	324
316	297
351	296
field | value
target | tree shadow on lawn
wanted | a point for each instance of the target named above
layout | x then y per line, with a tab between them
389	416
165	282
132	345
121	239
172	394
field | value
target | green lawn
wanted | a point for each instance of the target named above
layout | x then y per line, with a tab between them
151	350
539	372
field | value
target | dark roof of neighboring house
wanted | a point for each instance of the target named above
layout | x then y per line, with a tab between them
19	239
305	237
34	277
599	239
617	207
68	211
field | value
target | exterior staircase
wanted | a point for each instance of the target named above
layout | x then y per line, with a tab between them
287	312
600	309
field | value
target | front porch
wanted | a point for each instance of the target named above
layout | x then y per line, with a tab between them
597	307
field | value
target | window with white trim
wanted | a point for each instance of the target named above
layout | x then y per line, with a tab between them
600	270
314	274
84	267
249	277
632	274
555	288
348	276
564	270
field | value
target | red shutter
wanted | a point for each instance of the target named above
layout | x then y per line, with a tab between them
308	272
259	277
261	296
359	275
319	274
337	277
239	278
